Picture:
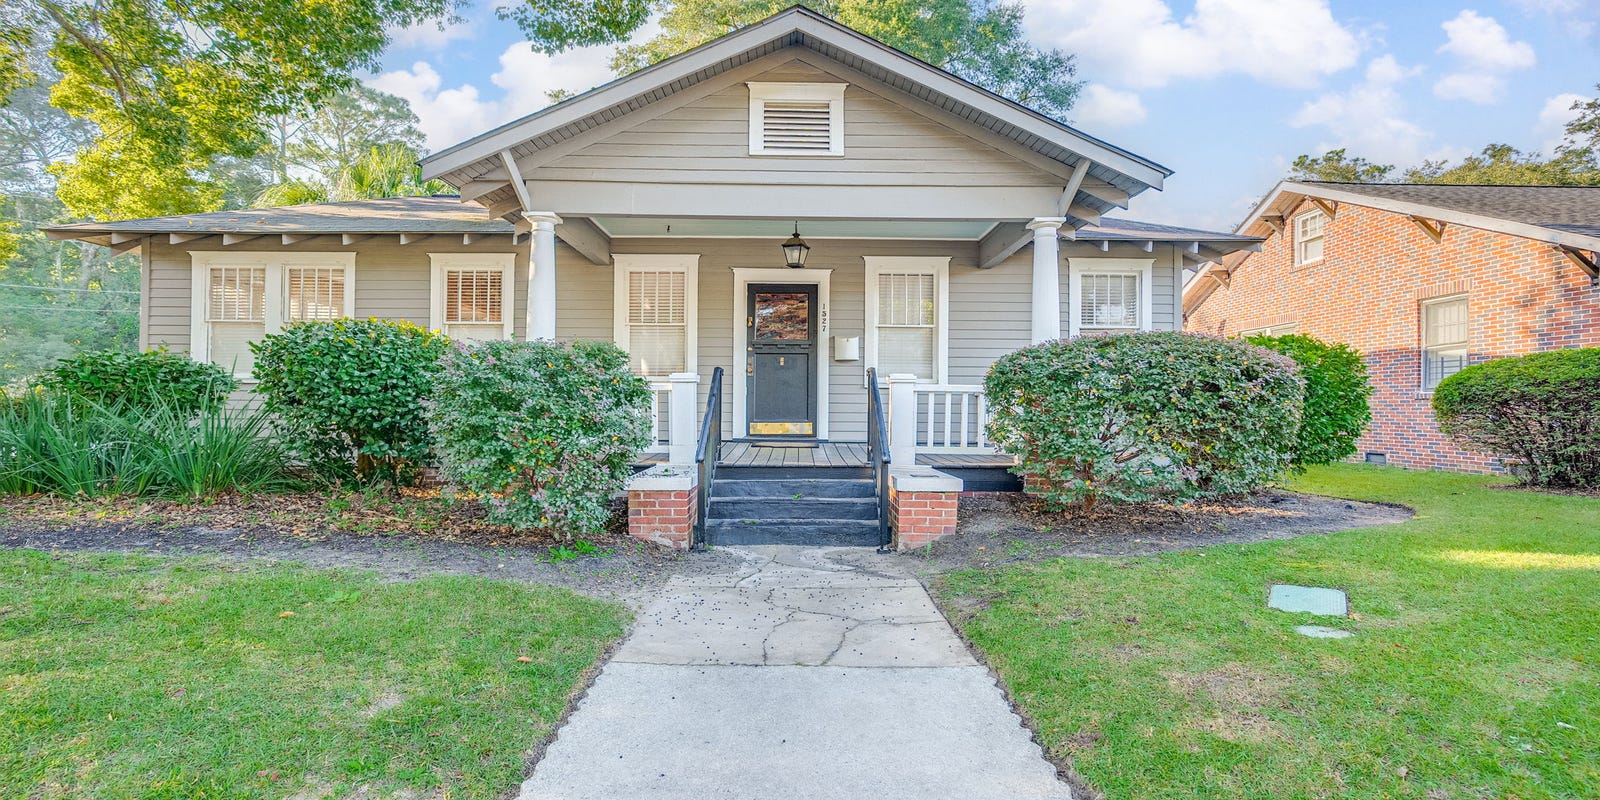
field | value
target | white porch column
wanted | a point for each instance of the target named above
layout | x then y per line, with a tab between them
903	421
1046	278
542	275
682	437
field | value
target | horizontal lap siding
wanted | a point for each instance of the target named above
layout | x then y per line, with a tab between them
707	141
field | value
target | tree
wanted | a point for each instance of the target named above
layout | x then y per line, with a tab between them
981	40
172	87
328	139
389	170
1334	165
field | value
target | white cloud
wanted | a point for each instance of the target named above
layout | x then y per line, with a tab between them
1139	43
1101	106
454	114
430	35
1551	127
1484	53
1580	18
1368	118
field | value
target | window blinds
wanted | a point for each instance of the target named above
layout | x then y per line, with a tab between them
658	322
906	325
237	311
1109	302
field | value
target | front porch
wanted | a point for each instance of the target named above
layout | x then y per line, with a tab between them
833	454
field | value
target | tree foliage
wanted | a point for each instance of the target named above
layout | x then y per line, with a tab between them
982	41
388	170
1140	417
172	87
1575	162
1537	410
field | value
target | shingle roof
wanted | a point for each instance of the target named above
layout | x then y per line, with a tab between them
435	214
1574	209
1134	230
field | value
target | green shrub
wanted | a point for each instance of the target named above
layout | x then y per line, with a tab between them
1142	417
545	432
67	445
154	377
1541	412
1336	410
349	394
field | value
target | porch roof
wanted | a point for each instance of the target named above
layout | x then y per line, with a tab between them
478	166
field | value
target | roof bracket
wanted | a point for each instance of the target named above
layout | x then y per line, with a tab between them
1433	228
1274	221
1329	207
1585	260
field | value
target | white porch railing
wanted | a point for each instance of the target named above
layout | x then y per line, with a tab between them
672	418
936	418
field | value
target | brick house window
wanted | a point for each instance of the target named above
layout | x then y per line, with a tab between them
1283	329
1308	236
1444	339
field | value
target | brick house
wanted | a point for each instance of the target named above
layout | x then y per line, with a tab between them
1422	279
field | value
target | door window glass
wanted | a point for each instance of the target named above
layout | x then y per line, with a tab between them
783	317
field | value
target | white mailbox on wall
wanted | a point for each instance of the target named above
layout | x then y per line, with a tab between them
847	348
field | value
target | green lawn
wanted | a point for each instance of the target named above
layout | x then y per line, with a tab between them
124	677
1475	671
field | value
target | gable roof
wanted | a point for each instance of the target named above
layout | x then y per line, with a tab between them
797	27
1563	216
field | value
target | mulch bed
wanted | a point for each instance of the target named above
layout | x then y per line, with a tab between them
1013	528
403	535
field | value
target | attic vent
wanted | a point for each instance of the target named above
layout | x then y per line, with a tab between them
797	119
801	127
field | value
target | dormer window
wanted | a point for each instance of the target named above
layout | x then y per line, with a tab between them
796	119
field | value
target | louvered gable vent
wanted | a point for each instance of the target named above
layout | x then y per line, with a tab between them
798	119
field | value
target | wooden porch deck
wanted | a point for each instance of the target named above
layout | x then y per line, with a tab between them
834	454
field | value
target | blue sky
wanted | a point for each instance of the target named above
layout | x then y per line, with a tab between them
1224	92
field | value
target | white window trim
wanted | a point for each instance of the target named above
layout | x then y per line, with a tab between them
832	93
742	278
1422	335
689	264
939	268
1298	219
505	262
1144	268
277	267
1294	328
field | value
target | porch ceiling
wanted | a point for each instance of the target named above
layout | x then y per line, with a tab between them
703	227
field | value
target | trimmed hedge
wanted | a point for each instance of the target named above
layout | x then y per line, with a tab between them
1336	410
1139	417
545	432
176	383
349	393
1540	411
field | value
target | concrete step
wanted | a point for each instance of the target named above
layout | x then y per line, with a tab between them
813	533
770	509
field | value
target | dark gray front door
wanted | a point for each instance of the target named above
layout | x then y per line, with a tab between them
781	365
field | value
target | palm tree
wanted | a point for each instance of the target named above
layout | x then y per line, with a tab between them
387	170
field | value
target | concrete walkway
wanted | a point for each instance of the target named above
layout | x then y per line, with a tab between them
808	674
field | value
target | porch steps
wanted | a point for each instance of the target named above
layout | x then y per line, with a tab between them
792	505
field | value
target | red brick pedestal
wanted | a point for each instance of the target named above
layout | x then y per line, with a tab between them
922	506
662	503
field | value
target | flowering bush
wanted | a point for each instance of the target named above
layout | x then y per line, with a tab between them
546	432
1336	396
1141	417
1540	410
349	394
156	377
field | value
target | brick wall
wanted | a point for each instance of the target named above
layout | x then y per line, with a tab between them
663	517
920	518
1522	297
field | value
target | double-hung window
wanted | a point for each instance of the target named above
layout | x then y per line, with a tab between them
655	312
1444	339
240	297
1308	236
472	294
1108	294
908	316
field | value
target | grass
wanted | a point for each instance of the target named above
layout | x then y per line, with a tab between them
1474	672
135	677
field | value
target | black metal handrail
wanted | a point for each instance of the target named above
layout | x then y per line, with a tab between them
878	454
709	443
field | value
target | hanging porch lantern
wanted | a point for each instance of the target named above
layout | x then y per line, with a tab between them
795	250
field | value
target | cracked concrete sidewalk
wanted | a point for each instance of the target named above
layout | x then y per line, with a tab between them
808	673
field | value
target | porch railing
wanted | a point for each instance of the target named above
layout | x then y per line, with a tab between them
672	418
879	455
707	450
938	417
660	417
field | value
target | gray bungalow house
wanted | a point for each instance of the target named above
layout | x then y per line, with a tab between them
946	226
